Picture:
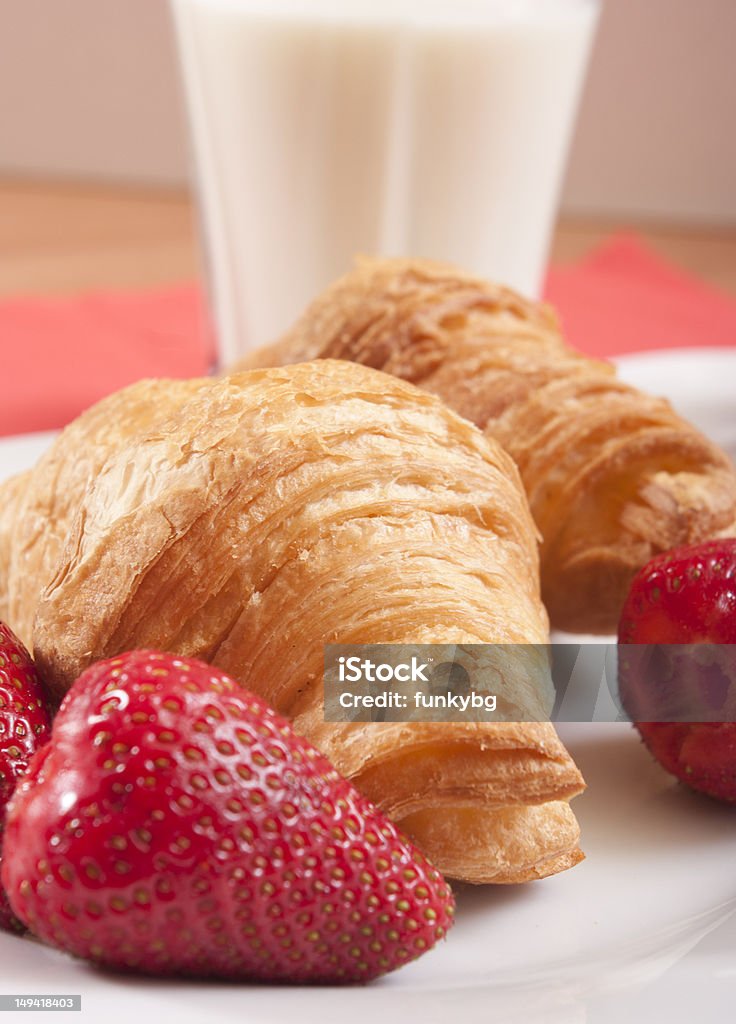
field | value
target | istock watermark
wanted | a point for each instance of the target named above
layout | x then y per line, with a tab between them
561	682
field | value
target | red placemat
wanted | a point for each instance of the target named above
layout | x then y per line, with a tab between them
60	355
624	298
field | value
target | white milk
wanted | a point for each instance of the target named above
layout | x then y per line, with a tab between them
396	127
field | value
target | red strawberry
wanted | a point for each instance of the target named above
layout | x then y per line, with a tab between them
177	825
684	596
685	600
24	727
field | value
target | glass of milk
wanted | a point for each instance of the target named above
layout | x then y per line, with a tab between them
327	128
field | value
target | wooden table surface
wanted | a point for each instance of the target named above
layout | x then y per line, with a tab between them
61	238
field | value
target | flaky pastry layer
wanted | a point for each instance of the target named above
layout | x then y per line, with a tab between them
613	475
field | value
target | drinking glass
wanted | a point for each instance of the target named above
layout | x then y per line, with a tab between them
326	128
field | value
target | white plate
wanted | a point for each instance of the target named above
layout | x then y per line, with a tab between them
643	931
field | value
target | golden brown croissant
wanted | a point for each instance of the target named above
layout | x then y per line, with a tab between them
613	476
12	492
47	500
276	511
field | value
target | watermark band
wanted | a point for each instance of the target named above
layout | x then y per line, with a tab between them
560	682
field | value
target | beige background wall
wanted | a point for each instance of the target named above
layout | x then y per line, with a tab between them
89	87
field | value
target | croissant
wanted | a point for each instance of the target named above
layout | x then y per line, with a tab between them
613	476
11	495
272	512
44	502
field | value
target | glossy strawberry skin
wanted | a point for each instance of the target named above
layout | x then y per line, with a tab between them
177	825
24	727
700	754
685	597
